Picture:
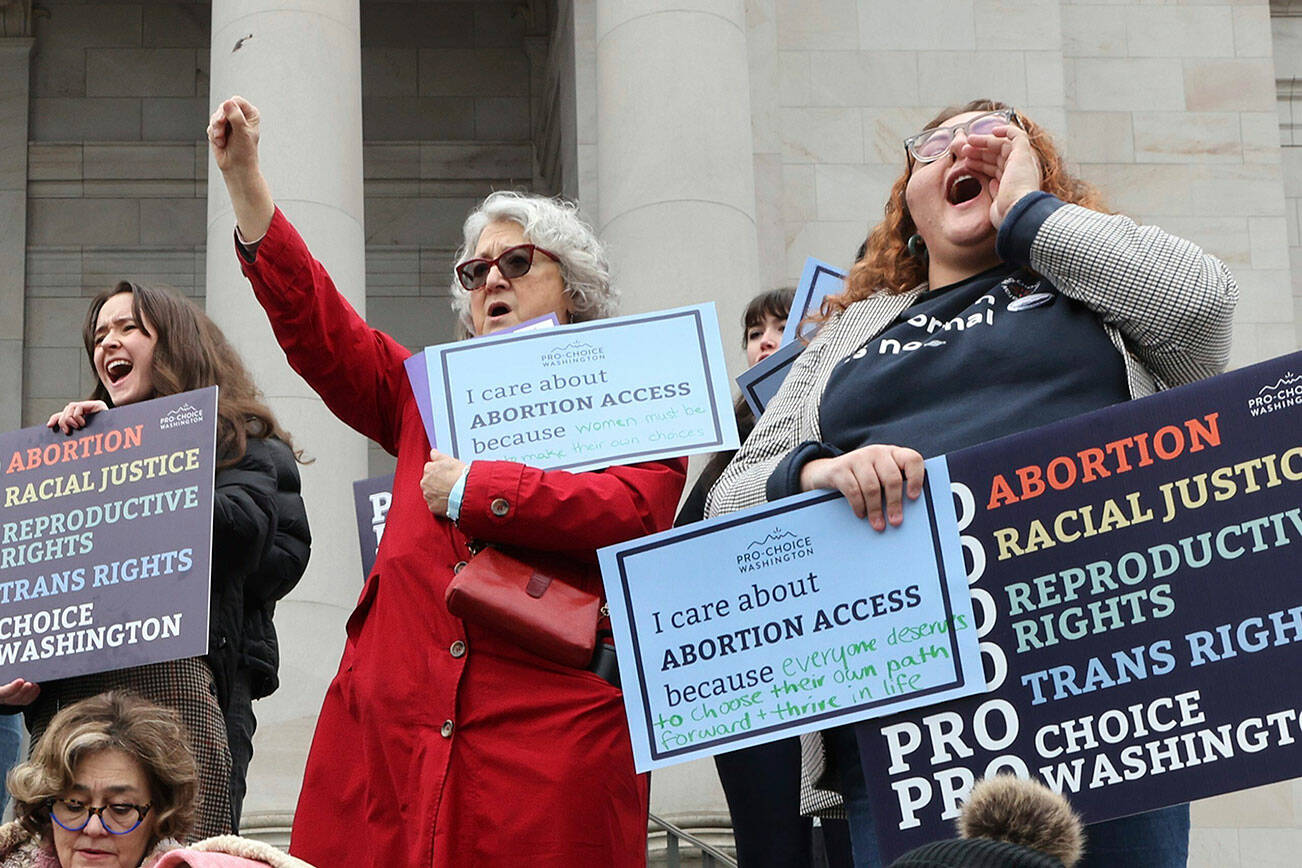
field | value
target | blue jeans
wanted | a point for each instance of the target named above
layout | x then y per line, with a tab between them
843	753
1157	839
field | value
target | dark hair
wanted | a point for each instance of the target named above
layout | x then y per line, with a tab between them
192	353
775	303
885	264
151	735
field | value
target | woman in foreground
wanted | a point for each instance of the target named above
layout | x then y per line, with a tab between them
111	784
106	785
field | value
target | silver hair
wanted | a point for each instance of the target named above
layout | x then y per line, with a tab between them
554	224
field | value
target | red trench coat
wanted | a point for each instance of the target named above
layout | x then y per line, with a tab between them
438	743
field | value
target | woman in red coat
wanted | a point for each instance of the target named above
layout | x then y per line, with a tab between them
440	743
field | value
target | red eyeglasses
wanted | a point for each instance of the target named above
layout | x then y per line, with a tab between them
512	262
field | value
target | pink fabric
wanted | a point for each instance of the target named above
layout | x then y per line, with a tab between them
199	859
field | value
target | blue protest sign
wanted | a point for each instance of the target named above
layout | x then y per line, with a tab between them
1133	575
418	375
589	395
761	381
786	618
817	280
105	539
371	499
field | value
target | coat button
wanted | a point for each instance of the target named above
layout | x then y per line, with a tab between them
458	567
499	507
446	731
458	649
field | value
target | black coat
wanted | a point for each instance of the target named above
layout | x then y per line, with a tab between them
260	550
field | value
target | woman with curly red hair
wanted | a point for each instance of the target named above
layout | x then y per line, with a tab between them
995	296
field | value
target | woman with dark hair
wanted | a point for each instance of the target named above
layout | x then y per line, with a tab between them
143	342
764	319
1053	307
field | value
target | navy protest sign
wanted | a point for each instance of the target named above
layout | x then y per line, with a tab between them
1133	582
761	381
371	499
105	540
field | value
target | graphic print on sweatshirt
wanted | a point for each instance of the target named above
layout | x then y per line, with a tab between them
1000	352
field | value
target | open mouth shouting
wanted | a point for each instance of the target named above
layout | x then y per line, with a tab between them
117	369
963	188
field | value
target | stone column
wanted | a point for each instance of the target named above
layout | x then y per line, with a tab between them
675	156
15	54
676	190
300	64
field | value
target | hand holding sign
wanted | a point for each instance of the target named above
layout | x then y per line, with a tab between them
73	416
108	532
441	473
19	692
870	477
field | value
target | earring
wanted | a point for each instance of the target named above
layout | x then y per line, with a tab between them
917	247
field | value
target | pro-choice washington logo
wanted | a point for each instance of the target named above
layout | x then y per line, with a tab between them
778	547
573	353
182	415
1282	394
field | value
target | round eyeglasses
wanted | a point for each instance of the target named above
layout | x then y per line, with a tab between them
117	818
935	143
512	262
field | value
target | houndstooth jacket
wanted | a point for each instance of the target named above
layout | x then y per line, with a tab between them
1165	304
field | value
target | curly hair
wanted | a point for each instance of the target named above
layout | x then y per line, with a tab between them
553	223
885	264
151	735
192	353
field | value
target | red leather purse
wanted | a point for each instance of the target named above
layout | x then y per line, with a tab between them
540	604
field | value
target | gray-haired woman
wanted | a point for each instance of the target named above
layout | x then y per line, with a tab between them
553	230
441	742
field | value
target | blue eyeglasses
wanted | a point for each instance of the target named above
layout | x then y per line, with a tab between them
117	818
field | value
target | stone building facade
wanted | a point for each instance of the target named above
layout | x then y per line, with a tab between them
714	143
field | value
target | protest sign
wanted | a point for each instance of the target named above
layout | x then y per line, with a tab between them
371	499
105	539
761	381
418	374
786	618
1133	576
588	395
817	280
